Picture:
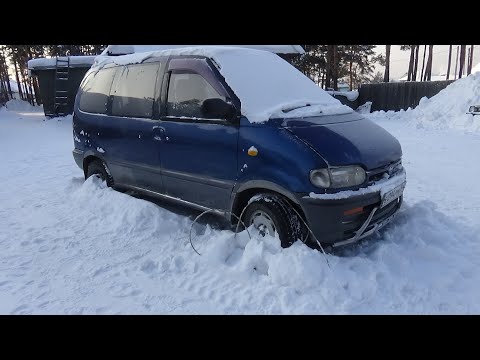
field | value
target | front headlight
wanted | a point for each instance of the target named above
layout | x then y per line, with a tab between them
340	177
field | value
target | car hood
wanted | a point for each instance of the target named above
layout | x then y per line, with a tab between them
347	140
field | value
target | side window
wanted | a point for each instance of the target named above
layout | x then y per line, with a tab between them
186	93
133	91
96	89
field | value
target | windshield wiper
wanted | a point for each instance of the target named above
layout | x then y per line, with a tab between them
287	110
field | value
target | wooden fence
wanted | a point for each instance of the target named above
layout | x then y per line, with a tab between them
399	95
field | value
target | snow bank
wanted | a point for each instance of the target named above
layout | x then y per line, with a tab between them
266	85
350	95
20	106
69	246
447	109
407	269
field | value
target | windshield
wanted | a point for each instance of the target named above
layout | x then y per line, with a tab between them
269	87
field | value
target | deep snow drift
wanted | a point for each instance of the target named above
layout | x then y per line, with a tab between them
447	109
75	247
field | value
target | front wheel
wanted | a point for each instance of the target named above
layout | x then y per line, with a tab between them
272	215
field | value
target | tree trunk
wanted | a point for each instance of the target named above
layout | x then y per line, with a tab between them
415	67
386	76
335	67
428	70
461	67
351	75
36	91
449	61
4	72
27	94
29	81
329	66
25	82
456	66
470	60
410	64
20	92
423	65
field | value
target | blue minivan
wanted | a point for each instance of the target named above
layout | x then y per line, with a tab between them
240	132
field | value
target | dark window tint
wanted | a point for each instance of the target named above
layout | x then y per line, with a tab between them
186	94
96	89
133	90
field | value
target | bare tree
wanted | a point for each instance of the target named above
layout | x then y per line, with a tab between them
449	61
386	76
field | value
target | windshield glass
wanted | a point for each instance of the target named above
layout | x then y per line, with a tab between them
269	87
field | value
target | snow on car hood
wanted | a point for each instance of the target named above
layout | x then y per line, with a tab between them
267	86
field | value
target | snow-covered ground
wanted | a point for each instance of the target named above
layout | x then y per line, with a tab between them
75	247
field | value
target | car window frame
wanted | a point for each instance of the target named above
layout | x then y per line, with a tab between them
84	83
202	66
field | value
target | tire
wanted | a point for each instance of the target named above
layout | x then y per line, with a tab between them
98	168
269	210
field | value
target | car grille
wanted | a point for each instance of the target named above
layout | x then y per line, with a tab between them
385	172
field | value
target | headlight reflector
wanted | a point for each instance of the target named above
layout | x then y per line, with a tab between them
320	178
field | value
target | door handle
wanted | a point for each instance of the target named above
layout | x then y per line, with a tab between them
158	133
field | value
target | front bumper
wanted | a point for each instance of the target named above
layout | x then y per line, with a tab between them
332	227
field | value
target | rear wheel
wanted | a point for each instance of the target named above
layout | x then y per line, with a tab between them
99	169
270	214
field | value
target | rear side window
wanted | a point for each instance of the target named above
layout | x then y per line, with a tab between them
133	90
96	90
186	93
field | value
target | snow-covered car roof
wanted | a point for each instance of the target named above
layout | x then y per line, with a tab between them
266	85
131	49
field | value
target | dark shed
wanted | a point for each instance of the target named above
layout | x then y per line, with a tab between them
59	80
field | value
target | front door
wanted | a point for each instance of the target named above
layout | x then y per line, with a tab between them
199	155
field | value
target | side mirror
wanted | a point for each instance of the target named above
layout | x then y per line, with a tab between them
217	109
